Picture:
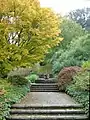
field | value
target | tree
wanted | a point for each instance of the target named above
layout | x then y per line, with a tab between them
81	16
27	31
69	30
77	53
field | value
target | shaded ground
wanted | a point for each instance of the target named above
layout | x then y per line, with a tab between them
47	98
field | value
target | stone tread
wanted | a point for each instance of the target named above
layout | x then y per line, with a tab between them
47	117
45	90
45	86
47	106
48	111
41	84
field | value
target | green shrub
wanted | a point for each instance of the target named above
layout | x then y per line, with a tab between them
32	78
86	65
11	95
80	96
77	52
18	80
20	72
79	89
81	80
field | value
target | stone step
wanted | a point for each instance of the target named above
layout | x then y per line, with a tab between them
40	84
41	88
44	90
47	117
44	87
38	106
45	81
47	111
48	89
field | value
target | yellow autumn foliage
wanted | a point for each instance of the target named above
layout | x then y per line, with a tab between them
27	31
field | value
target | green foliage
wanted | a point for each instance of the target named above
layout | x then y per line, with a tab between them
32	78
79	88
80	96
46	69
20	71
69	30
75	55
86	65
11	95
17	80
81	80
64	54
5	67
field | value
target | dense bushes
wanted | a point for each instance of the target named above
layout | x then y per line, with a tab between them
32	78
66	75
75	55
17	80
80	96
20	71
12	94
73	50
81	80
79	89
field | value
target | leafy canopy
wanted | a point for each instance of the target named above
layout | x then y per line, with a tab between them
27	31
69	30
81	16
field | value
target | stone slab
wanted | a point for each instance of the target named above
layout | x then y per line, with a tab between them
47	98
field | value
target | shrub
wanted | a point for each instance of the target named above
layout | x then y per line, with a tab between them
32	78
81	80
18	80
79	88
11	94
81	97
86	65
77	52
66	75
20	71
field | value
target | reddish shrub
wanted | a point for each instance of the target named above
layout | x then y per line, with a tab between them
66	75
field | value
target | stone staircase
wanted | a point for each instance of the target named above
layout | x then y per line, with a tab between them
40	87
46	112
50	110
44	85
